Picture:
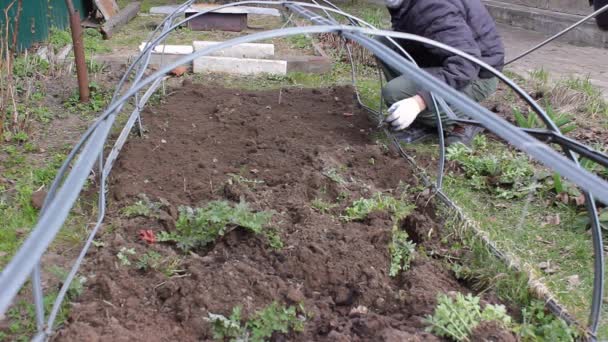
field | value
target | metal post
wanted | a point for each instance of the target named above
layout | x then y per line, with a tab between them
79	56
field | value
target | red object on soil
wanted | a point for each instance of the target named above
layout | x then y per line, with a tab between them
180	70
147	236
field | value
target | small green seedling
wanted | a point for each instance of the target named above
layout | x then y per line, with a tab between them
238	179
335	176
322	206
123	255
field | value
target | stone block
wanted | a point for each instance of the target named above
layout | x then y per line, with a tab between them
248	50
240	66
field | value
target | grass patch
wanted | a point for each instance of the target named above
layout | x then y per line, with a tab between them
528	228
299	41
22	316
16	209
197	228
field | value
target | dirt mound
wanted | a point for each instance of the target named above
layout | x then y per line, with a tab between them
276	150
492	332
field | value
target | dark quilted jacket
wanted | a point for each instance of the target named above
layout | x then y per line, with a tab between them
463	24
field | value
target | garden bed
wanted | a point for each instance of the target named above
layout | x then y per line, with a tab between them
337	234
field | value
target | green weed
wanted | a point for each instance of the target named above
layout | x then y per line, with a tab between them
94	43
59	38
361	208
274	318
22	316
300	41
335	176
124	256
261	325
76	287
30	66
100	97
402	252
538	325
561	120
228	327
144	208
153	260
197	228
322	206
16	209
457	318
506	174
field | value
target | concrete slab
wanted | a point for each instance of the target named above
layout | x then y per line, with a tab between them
170	49
548	22
171	54
248	50
559	59
166	10
240	66
230	22
309	64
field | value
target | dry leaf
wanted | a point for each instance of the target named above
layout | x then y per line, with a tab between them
573	281
554	220
580	200
547	267
563	197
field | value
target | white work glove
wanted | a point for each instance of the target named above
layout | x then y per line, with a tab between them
393	3
403	113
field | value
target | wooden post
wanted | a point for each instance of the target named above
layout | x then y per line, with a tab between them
79	56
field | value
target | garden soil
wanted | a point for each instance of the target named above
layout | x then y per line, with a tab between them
277	150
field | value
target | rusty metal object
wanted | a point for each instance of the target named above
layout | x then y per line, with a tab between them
120	19
108	8
234	22
79	56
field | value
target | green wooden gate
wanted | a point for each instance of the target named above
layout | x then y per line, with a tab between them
37	18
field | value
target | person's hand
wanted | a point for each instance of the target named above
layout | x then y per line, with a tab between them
404	112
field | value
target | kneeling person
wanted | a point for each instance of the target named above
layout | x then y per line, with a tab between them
462	24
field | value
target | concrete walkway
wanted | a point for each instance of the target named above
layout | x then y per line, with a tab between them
559	59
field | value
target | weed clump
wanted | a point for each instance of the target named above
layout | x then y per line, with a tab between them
197	228
402	252
457	318
507	175
260	327
401	249
142	208
361	208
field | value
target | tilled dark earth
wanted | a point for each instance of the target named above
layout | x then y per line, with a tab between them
290	142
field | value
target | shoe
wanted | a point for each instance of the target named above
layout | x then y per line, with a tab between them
462	135
413	134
